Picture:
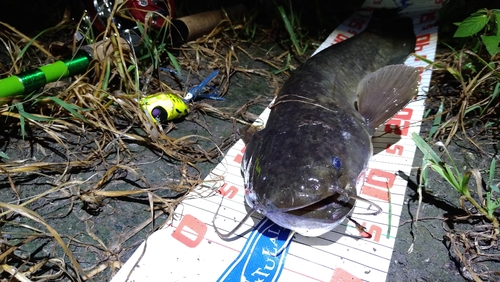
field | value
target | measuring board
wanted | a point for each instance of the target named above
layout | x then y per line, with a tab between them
190	250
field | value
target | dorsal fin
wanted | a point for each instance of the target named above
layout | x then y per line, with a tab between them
385	92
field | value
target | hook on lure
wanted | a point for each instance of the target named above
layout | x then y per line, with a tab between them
196	92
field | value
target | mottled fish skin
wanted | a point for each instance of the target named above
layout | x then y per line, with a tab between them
301	170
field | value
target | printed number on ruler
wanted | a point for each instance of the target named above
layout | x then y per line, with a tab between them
374	230
400	123
190	231
340	37
230	192
356	25
422	41
340	274
394	149
428	17
377	182
239	156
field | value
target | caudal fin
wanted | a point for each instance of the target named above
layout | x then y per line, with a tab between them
385	92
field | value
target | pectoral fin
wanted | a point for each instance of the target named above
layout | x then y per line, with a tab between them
385	92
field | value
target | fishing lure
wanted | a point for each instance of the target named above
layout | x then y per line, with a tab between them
163	107
195	93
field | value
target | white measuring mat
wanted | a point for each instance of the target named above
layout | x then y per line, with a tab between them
190	250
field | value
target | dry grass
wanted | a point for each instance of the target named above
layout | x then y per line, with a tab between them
82	166
77	163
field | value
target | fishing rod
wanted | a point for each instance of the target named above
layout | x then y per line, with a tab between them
160	107
97	12
31	80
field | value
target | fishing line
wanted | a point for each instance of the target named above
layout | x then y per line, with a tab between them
379	209
300	101
287	242
362	230
227	235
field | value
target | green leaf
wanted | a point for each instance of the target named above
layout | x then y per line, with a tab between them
424	174
454	72
450	177
22	122
425	148
469	66
472	108
3	155
496	13
421	58
471	25
436	122
491	43
69	107
489	124
291	32
24	114
491	205
21	54
464	183
427	112
174	62
441	171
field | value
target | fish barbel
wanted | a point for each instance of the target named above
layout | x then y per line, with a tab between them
302	169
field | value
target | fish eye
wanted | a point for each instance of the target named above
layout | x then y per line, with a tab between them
336	162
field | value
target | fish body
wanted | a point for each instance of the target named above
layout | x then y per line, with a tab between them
302	169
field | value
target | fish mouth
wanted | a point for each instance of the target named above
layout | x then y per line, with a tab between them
336	201
317	218
343	195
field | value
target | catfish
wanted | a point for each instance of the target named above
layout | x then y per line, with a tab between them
302	170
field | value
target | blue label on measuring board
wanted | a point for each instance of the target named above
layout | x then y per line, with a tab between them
259	259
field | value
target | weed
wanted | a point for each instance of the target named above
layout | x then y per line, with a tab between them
483	24
479	92
437	121
459	181
484	106
492	204
292	24
154	43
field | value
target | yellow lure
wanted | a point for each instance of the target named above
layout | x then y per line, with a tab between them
161	107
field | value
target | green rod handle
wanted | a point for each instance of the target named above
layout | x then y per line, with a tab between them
29	81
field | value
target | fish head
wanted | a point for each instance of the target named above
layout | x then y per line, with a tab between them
308	189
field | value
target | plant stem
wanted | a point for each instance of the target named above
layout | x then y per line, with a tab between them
492	218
